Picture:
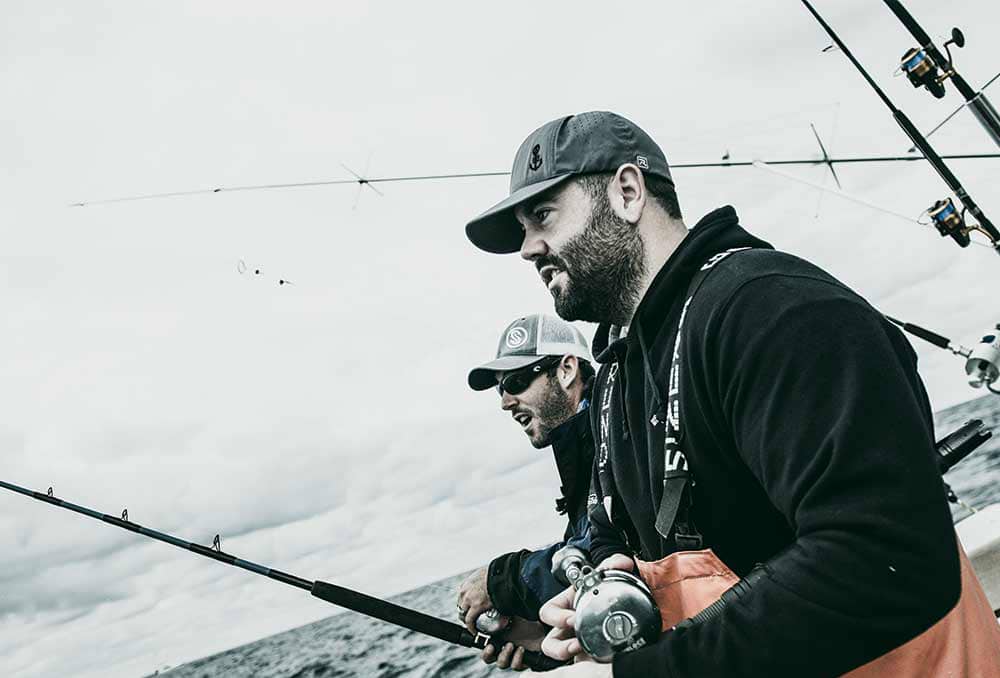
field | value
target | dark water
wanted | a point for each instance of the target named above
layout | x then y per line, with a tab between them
349	644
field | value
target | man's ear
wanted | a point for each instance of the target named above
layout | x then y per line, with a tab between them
569	367
628	193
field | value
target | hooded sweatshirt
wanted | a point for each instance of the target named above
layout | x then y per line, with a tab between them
809	439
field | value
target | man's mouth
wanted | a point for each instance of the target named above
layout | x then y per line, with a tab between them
548	272
523	418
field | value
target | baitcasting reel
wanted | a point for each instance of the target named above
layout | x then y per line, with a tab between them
922	71
615	610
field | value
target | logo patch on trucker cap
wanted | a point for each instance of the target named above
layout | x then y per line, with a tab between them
536	158
516	337
642	162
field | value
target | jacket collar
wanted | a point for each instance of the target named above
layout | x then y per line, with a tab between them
717	231
574	455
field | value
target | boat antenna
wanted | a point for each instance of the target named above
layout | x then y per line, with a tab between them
331	593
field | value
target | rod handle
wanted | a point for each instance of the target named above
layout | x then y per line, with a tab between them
959	444
537	661
925	334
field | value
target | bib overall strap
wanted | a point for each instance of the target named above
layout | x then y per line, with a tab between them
674	517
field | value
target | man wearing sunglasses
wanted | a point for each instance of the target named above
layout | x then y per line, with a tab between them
543	375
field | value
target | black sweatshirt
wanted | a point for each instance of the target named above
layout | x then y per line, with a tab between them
810	440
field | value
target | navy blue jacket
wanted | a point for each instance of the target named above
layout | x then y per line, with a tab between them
521	581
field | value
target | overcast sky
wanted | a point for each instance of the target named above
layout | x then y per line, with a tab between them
324	427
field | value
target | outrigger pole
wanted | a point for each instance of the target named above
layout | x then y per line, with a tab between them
369	181
331	593
946	217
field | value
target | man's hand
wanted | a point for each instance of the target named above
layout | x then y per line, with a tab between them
523	635
473	599
561	642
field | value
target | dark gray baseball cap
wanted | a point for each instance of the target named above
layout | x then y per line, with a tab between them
597	141
524	342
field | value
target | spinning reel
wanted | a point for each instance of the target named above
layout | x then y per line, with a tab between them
950	222
922	71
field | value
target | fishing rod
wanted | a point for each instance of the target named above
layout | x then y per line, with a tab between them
982	362
331	593
944	214
361	181
925	66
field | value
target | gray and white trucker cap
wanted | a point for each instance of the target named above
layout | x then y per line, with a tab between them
524	342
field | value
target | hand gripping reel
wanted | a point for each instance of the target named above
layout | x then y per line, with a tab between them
615	610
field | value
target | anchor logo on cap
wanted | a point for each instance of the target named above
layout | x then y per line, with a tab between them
536	158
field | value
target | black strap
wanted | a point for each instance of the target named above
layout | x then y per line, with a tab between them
674	517
606	385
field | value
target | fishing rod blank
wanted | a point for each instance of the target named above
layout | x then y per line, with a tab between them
947	218
921	66
338	595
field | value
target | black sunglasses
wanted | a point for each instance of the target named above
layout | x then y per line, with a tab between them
519	380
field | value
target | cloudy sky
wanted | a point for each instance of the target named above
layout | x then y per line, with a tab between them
324	427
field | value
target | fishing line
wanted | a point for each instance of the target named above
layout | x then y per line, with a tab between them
965	104
467	175
759	164
300	184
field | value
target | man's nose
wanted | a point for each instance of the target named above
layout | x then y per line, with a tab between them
507	401
532	247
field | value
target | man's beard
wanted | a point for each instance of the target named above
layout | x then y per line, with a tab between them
604	267
553	411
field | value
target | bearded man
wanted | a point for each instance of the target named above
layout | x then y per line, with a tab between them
751	409
543	375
